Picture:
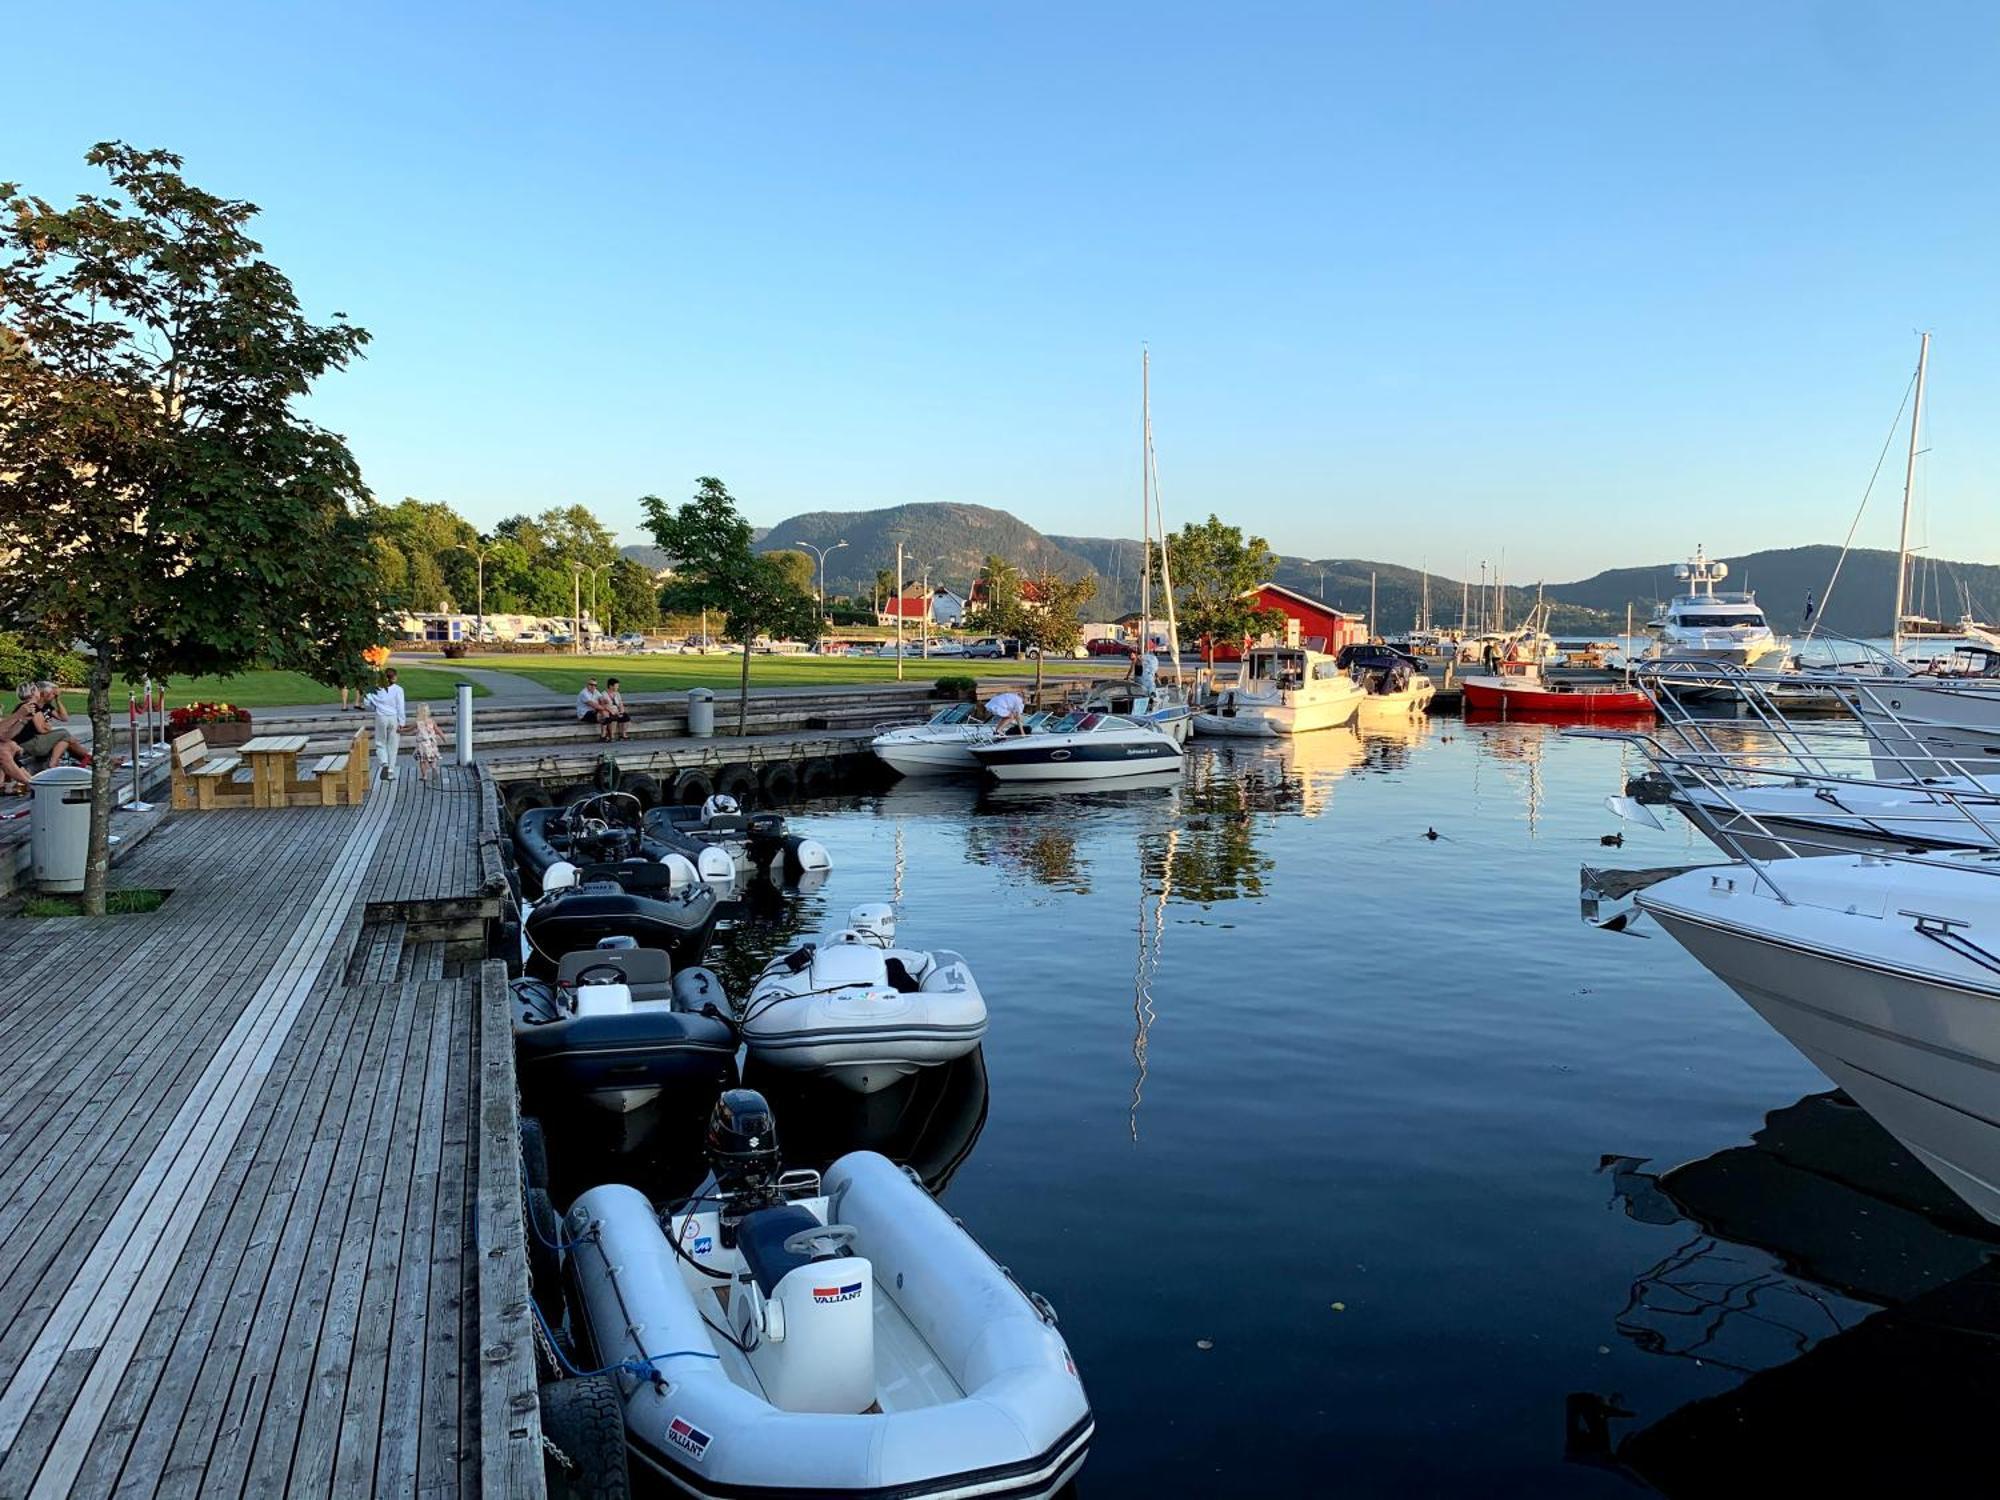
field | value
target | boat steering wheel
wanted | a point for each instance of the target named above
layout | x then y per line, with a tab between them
822	1240
584	975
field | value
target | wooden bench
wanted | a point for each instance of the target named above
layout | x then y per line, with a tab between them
205	778
344	777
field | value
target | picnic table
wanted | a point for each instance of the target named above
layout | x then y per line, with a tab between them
274	767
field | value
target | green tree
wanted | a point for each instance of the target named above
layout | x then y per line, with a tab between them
182	516
885	586
633	597
1050	616
798	569
999	613
1215	575
714	568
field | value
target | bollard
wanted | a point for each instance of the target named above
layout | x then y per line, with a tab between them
465	723
137	804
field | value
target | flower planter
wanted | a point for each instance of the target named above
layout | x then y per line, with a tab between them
229	732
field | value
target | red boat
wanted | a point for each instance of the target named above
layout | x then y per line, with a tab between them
1522	694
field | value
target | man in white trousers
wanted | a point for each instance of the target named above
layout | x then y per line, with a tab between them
390	717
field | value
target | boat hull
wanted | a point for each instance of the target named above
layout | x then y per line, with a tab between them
1079	757
1920	1051
1498	695
1783	822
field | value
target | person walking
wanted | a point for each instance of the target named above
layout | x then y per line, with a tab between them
390	718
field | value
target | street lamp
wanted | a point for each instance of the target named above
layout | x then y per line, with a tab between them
479	557
819	635
576	609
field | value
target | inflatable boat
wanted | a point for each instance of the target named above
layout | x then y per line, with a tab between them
756	843
665	906
617	1028
604	828
788	1336
856	1007
928	1123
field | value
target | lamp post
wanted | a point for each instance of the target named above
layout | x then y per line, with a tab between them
479	559
819	636
929	601
576	609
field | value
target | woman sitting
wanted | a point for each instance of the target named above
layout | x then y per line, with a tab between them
612	719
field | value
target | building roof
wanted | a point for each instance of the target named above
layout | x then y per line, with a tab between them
909	608
1304	601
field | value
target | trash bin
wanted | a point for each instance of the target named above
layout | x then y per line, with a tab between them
60	827
701	713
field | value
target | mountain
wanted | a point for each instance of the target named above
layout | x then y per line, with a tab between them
955	539
952	539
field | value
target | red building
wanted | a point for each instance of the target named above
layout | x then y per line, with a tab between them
1308	622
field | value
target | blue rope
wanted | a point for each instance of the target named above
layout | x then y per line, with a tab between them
643	1367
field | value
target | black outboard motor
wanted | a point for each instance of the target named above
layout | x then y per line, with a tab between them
765	838
742	1152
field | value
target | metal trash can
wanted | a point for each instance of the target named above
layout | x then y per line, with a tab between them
59	827
701	713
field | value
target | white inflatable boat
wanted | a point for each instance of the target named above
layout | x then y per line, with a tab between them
846	1339
856	1007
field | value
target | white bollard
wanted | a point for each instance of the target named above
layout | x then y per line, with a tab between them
465	723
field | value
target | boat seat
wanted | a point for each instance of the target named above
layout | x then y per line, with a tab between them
648	971
726	823
760	1239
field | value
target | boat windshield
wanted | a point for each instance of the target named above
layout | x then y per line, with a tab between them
958	713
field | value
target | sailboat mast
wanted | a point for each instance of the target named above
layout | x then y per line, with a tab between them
1909	484
1145	499
1166	564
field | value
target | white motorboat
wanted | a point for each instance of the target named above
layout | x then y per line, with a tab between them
1784	818
1704	625
941	745
1885	972
1393	683
1282	690
858	1008
1079	747
781	1335
1145	698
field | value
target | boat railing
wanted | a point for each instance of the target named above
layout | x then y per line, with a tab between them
1724	783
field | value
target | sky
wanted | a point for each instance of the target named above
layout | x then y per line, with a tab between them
1590	283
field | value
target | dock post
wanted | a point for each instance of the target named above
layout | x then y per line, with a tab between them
465	723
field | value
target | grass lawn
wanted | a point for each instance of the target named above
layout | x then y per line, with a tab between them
657	674
280	689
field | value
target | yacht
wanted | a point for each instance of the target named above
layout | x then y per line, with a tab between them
942	745
1282	690
1704	625
1884	972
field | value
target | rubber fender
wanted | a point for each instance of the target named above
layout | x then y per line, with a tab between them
692	788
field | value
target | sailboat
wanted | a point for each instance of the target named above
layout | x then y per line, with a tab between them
1142	696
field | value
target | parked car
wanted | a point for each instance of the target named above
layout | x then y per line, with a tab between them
699	645
1104	645
633	641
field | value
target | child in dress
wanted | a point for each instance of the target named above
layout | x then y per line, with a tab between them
427	742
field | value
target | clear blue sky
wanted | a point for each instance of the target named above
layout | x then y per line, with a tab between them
1592	282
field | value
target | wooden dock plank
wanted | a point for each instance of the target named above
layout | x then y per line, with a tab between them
255	1260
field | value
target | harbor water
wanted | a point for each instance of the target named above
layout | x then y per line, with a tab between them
1336	1138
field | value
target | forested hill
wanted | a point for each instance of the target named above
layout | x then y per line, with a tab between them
955	539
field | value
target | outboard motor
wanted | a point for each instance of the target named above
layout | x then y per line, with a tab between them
721	805
806	1313
876	920
765	839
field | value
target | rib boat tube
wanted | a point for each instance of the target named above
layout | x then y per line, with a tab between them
856	1007
601	829
854	1342
618	1029
756	843
658	905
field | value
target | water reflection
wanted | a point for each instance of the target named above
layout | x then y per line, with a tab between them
928	1122
1857	1296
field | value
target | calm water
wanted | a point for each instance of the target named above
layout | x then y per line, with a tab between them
1260	1047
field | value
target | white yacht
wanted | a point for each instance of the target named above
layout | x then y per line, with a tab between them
942	745
1081	747
1884	972
1283	690
1704	625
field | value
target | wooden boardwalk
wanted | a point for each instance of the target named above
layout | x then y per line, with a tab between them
259	1210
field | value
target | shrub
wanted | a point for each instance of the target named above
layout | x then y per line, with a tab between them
21	662
194	715
956	687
